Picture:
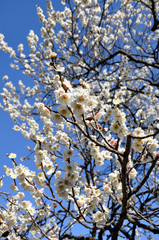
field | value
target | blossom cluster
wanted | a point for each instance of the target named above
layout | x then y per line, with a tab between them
65	184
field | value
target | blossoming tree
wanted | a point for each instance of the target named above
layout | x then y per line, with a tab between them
91	111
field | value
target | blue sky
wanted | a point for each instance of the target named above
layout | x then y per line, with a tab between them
17	18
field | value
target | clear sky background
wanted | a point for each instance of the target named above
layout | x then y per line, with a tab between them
17	18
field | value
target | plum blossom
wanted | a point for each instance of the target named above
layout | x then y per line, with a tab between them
12	155
100	217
